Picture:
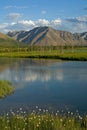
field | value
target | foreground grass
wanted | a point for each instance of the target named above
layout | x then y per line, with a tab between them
44	121
5	88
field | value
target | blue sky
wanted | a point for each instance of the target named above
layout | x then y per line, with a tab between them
69	15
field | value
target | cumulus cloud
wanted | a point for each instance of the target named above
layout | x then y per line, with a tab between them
75	24
27	24
42	22
56	22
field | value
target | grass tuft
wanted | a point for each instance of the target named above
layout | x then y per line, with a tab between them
5	88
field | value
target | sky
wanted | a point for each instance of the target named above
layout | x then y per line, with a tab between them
68	15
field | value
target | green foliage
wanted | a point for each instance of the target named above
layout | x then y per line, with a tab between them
5	88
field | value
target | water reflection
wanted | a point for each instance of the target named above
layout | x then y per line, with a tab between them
30	71
46	83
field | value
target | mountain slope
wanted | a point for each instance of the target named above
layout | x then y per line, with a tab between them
45	36
82	37
6	41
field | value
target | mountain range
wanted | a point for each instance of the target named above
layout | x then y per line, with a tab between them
46	36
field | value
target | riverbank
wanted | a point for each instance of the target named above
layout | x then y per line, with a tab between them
80	56
5	88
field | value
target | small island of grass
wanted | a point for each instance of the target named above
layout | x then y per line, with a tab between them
5	88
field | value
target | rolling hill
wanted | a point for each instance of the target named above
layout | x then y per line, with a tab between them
6	41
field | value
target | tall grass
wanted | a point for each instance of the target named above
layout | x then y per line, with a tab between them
44	121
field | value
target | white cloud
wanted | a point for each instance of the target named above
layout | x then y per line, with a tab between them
42	22
28	24
56	22
82	19
13	16
13	23
76	24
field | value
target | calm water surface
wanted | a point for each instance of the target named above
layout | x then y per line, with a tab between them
48	84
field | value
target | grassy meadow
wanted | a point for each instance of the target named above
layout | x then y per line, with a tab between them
5	88
63	53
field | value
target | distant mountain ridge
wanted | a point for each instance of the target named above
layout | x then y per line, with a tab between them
46	36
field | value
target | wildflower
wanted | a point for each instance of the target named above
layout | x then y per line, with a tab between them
80	117
33	111
64	125
52	123
7	114
58	111
71	113
37	125
56	114
38	116
8	121
39	109
20	109
6	127
69	120
34	117
39	119
61	120
68	112
36	107
46	110
12	113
